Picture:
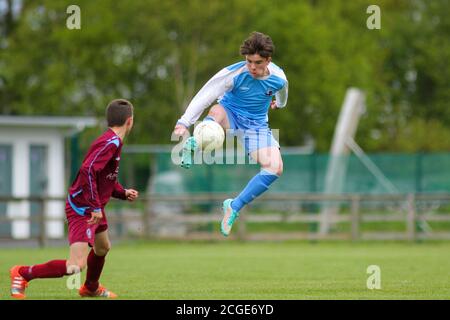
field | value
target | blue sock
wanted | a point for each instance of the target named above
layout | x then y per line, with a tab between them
255	187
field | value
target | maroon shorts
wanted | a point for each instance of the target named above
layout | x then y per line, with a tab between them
78	228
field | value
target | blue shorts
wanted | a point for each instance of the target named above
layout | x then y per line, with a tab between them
253	134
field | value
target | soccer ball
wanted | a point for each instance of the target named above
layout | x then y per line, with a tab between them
209	135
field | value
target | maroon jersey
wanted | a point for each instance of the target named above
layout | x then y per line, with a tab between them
96	180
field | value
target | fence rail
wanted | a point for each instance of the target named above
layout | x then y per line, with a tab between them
172	216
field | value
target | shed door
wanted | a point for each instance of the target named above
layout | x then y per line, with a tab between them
5	187
38	183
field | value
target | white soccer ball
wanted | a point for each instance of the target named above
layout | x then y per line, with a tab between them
209	135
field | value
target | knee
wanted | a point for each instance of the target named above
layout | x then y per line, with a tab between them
215	111
277	170
280	169
218	113
103	250
275	167
76	267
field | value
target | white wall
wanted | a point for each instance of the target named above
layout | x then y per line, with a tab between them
21	139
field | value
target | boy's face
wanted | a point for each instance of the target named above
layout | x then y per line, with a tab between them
257	65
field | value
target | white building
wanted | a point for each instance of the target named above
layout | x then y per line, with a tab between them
32	163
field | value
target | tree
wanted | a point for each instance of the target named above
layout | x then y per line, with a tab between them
159	53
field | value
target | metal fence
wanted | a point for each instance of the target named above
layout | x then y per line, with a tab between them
409	217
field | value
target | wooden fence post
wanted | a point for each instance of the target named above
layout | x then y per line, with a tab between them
146	216
355	217
411	218
242	228
42	239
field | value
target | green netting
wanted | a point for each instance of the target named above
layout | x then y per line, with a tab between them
435	172
305	173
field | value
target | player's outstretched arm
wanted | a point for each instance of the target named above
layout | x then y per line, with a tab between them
220	83
131	194
90	169
281	96
180	130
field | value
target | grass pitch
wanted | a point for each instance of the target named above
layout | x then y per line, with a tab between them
233	270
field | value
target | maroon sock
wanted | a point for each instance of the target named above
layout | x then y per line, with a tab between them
50	269
94	269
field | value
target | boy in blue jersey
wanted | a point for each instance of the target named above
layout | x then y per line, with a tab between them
245	91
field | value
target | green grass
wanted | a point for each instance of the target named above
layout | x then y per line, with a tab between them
233	270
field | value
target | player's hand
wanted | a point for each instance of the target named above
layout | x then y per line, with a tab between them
131	194
180	130
273	104
96	216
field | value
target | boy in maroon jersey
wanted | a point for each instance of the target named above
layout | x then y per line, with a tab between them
94	184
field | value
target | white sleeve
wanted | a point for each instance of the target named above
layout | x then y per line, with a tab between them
281	96
220	83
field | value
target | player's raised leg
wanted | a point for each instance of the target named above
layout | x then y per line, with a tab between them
271	168
218	114
77	258
95	263
22	275
269	159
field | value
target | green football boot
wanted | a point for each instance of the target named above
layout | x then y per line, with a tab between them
188	153
229	216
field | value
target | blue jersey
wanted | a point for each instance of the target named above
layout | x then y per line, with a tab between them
250	97
237	90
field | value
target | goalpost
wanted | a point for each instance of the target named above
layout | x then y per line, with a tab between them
343	143
346	126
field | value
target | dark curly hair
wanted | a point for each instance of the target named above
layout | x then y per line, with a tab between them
258	43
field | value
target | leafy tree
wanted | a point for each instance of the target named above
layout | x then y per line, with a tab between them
158	54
